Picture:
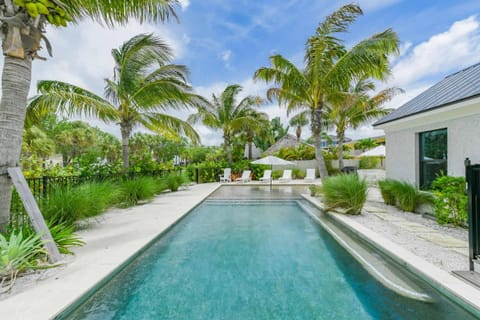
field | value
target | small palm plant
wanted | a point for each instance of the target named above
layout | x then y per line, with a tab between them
17	253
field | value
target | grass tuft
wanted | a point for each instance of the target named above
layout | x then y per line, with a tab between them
345	191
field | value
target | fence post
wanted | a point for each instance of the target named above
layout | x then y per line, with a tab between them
45	186
197	175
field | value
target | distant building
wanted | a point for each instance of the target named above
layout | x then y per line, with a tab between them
256	152
332	141
434	132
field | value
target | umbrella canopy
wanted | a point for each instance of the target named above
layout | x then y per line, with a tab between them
272	160
375	152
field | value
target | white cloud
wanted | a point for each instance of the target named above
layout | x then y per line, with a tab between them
184	4
226	55
448	51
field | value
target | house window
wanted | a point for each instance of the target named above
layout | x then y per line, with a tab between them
433	156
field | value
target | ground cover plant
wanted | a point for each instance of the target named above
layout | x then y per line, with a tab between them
347	191
451	201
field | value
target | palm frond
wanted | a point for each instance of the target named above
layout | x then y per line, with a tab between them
169	125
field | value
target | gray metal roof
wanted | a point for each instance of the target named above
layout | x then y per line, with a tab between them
459	86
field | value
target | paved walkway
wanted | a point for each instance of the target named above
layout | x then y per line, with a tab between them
419	230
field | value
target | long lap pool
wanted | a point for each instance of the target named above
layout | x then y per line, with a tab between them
262	259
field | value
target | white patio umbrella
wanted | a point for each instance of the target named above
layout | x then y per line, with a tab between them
272	160
375	152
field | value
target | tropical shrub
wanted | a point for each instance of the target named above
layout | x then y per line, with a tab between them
277	174
131	192
404	195
298	173
386	189
18	253
368	162
451	201
345	191
258	169
64	237
68	205
173	181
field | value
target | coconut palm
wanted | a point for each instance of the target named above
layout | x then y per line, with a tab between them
299	121
224	113
255	127
329	68
23	28
356	108
144	85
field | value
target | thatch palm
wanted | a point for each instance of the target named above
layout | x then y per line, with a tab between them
356	108
224	113
329	68
144	85
22	32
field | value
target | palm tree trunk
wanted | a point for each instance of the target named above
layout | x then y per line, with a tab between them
125	131
228	150
16	78
340	137
250	146
316	125
299	133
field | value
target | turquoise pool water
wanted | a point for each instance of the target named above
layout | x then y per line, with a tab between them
263	260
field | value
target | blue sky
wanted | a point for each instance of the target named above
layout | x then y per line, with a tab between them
225	41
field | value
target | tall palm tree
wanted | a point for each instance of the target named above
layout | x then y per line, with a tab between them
144	85
329	68
22	30
255	127
356	108
224	113
300	120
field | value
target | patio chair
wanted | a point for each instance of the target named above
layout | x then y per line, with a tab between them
287	176
245	176
310	175
227	175
267	176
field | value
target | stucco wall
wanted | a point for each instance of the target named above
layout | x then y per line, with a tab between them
402	147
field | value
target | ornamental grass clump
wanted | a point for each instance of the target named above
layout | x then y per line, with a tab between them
404	195
131	192
173	181
345	191
386	189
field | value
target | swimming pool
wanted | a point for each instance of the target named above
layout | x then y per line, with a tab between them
252	260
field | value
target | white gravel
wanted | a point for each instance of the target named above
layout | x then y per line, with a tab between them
445	258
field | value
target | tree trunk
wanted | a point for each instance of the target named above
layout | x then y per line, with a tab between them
125	131
228	149
340	137
250	146
316	125
299	133
16	78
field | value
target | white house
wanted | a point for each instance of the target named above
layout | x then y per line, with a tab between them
435	131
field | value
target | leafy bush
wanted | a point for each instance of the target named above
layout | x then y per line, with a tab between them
345	191
451	202
277	174
131	192
174	181
17	253
207	171
369	162
258	169
298	173
404	195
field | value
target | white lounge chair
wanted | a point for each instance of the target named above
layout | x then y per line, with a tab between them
310	175
245	176
227	175
287	176
267	176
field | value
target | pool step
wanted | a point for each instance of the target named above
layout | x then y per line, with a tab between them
386	272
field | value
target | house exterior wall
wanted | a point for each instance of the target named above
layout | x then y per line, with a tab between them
463	131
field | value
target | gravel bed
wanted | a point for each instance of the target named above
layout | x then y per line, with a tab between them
444	258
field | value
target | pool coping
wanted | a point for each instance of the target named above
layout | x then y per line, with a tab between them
454	288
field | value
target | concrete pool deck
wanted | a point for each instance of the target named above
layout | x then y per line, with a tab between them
120	233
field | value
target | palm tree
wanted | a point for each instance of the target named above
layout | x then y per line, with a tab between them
365	144
22	31
356	108
255	127
329	68
299	121
144	85
224	113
